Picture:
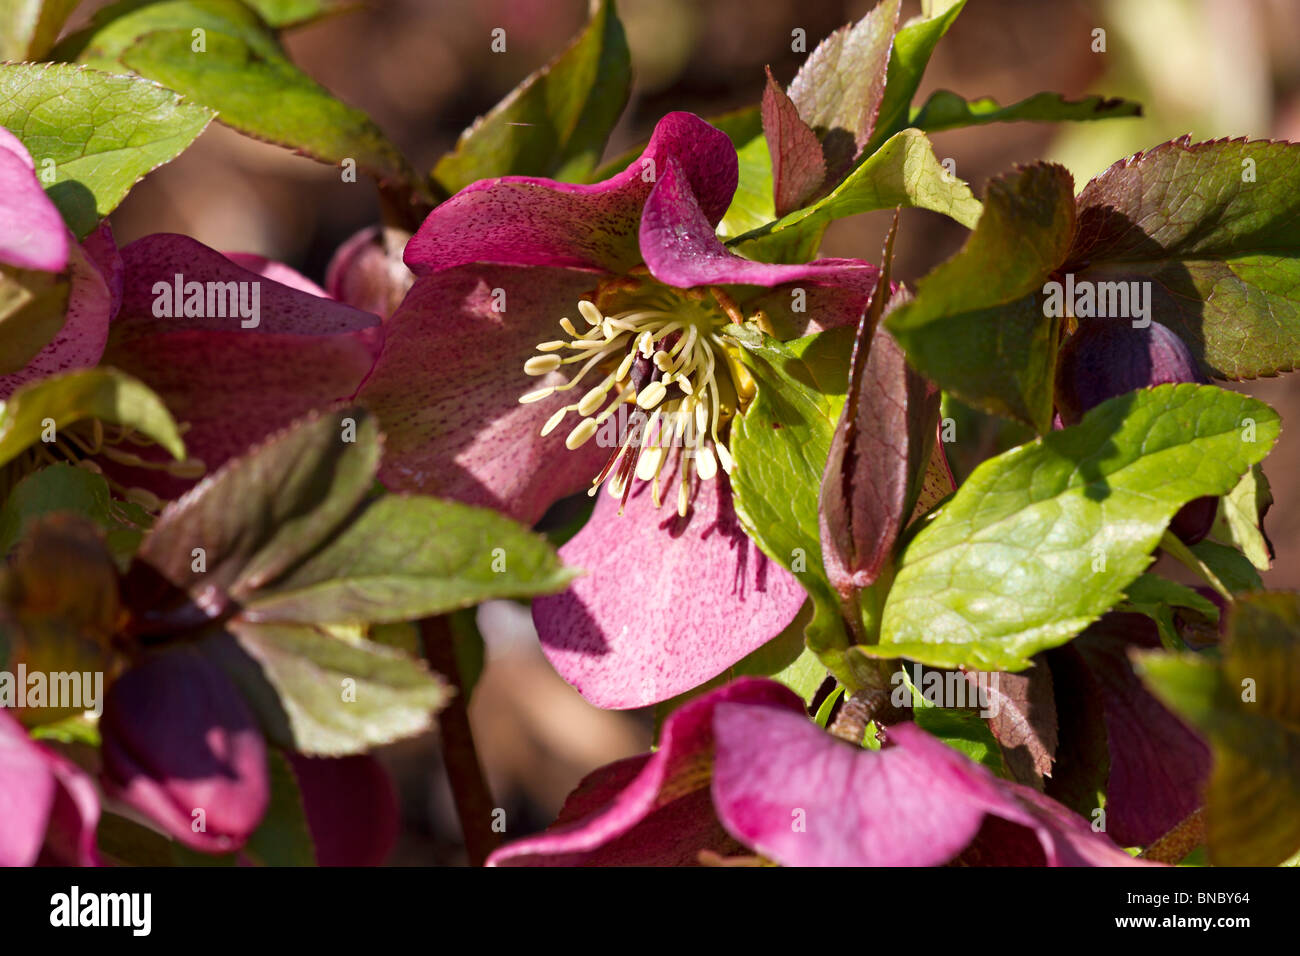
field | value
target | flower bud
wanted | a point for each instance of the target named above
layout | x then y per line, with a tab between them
181	746
1106	358
365	275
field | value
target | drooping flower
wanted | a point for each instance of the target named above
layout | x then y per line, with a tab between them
742	770
48	806
1106	358
181	746
562	337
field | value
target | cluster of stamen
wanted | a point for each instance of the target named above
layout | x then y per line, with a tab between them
83	442
665	362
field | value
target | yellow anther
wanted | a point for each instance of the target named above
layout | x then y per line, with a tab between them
581	434
590	312
541	364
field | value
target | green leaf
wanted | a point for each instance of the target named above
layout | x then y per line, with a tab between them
321	694
65	487
233	78
1150	590
33	306
102	393
913	44
28	28
77	729
267	510
1044	539
114	28
1214	229
405	558
104	133
976	326
283	837
904	172
1240	520
282	14
947	110
1229	566
239	71
1156	597
556	122
751	205
780	446
1248	708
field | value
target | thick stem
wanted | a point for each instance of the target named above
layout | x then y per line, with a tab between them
469	789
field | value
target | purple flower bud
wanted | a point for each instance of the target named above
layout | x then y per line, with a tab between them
1106	358
180	746
364	275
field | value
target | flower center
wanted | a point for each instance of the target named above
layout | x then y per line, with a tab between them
667	382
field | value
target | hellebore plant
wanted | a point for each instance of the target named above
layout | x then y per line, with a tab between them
675	591
250	515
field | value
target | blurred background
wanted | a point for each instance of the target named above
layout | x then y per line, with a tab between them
424	70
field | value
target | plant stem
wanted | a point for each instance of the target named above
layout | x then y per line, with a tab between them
469	789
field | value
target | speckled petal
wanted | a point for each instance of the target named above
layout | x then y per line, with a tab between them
446	390
519	220
667	602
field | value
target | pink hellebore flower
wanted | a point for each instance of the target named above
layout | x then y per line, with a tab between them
673	594
33	237
743	767
48	806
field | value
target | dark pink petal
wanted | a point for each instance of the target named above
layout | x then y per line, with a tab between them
801	797
667	602
32	233
681	249
275	271
233	385
179	739
235	388
1158	766
520	220
351	808
446	390
48	807
283	308
74	817
804	798
652	810
101	248
80	343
